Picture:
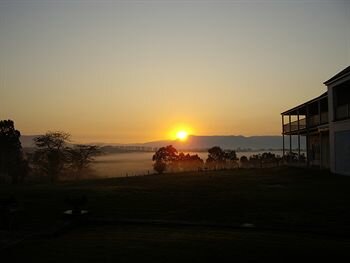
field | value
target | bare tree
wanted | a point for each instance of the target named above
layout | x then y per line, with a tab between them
79	157
50	156
52	140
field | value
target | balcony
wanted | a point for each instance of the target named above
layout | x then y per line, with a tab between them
318	119
313	121
311	115
293	126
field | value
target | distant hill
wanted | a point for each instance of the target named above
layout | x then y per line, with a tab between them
203	142
228	142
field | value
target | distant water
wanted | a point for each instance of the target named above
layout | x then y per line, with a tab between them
138	163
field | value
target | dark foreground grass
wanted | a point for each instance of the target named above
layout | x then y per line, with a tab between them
296	212
162	244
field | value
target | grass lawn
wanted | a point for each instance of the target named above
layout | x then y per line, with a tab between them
296	212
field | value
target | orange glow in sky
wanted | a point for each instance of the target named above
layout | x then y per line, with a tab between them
140	71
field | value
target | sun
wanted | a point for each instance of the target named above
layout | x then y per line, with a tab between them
182	135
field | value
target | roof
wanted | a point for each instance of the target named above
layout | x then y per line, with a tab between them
323	95
341	74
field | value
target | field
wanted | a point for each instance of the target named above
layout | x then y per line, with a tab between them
281	213
138	163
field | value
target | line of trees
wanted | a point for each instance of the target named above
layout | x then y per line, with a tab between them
221	159
168	159
54	155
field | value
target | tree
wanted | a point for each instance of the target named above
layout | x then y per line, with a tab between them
52	140
216	157
12	161
163	157
195	162
255	160
290	157
231	157
159	166
185	162
270	159
166	154
243	161
80	156
50	156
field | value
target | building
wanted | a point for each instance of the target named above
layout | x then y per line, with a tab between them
325	123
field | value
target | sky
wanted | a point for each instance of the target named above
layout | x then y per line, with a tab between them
137	71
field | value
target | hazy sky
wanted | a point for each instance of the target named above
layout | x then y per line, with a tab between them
133	71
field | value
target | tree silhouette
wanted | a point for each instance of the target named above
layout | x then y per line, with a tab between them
255	160
50	156
216	157
189	162
231	158
165	154
244	161
270	159
163	157
12	161
159	166
80	156
290	157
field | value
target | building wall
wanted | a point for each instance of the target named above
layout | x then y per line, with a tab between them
319	149
339	136
331	129
314	149
340	147
325	150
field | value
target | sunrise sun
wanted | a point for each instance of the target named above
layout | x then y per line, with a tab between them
182	135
